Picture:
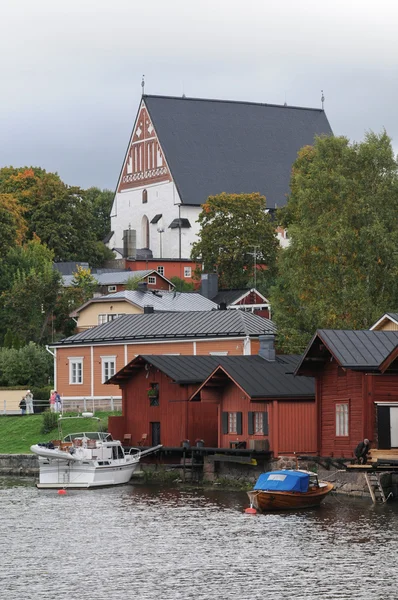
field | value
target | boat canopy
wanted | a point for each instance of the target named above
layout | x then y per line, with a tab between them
283	481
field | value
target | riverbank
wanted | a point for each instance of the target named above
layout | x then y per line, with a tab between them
224	476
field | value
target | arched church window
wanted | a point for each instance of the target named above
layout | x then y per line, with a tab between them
144	196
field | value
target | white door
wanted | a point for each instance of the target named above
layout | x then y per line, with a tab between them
394	426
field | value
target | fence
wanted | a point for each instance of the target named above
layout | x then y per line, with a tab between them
10	406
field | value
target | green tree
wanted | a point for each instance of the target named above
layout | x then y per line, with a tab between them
341	268
101	205
232	228
30	365
132	283
29	288
181	285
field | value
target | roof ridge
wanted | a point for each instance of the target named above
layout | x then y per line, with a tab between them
246	102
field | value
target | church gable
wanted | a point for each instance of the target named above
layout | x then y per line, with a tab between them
145	162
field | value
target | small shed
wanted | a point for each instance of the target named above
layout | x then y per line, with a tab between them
356	375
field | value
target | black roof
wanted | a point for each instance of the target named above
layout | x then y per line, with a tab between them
228	296
69	267
255	375
183	223
215	146
176	325
156	218
358	350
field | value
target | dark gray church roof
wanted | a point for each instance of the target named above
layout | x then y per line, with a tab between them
214	146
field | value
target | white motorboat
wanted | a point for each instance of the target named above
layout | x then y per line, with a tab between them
86	459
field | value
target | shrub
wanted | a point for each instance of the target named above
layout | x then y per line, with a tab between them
49	421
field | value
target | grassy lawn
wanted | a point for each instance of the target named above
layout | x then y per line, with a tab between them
18	433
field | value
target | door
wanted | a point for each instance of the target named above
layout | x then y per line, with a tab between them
155	431
394	426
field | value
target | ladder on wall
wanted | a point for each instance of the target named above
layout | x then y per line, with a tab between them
375	488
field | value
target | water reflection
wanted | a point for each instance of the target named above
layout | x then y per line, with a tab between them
150	542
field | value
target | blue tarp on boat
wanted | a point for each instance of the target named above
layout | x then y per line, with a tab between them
283	481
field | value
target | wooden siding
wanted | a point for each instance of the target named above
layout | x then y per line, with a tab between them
203	347
297	430
178	418
339	386
88	317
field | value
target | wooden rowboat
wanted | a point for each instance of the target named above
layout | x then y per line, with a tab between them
287	490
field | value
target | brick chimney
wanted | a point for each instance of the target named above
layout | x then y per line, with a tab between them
267	346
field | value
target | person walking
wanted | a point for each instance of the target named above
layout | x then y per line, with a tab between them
53	406
22	406
29	402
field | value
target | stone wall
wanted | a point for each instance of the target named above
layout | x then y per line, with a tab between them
19	464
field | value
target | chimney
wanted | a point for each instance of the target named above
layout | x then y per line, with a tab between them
267	348
148	310
142	286
223	306
209	285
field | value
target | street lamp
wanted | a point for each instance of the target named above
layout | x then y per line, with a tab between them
160	231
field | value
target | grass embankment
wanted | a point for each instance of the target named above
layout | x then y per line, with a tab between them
18	433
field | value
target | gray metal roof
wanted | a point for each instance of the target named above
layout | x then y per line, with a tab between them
256	376
69	267
164	301
114	278
174	325
214	146
361	350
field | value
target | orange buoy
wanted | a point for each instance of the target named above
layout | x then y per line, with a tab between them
250	511
61	492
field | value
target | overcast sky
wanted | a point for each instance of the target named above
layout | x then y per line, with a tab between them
70	72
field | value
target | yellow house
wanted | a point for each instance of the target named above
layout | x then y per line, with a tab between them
104	309
388	322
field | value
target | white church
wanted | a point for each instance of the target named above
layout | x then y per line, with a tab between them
183	150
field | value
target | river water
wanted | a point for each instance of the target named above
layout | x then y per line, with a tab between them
147	542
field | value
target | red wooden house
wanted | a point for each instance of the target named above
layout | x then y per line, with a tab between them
155	407
261	405
247	402
356	376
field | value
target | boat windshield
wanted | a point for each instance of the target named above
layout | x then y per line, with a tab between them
91	435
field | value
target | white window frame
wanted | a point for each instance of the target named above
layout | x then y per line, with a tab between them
220	353
233	422
108	317
151	279
342	411
258	423
160	270
187	272
76	365
108	367
112	288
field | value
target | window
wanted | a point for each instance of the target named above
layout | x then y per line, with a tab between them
232	422
160	270
219	353
257	423
107	317
151	279
187	272
108	367
144	196
342	419
112	288
153	394
76	370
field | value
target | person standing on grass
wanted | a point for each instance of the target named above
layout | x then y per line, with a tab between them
29	402
58	402
22	406
53	406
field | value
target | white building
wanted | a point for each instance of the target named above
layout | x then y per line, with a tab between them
183	150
